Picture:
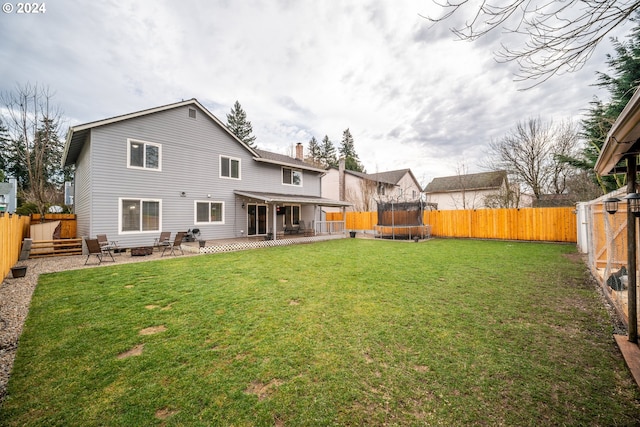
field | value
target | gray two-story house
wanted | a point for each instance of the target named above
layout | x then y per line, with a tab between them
177	167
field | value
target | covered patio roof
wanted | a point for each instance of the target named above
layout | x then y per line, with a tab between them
291	198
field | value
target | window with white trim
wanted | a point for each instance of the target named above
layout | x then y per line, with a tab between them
208	212
229	167
291	177
144	155
140	215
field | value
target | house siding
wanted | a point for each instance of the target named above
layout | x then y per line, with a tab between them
363	193
82	198
190	163
473	199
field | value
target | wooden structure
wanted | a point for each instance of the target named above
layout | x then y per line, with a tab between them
529	224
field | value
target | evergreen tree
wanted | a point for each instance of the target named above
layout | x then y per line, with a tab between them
348	151
314	150
328	153
5	163
239	125
621	83
33	149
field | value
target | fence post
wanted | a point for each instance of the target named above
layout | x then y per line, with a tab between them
631	253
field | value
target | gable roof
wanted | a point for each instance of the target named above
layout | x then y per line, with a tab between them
474	181
388	177
281	159
77	134
392	177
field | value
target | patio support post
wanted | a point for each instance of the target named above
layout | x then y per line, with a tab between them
631	252
274	227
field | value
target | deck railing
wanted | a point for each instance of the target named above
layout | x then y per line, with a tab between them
329	227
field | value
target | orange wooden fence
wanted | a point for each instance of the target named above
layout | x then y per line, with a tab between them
534	224
12	229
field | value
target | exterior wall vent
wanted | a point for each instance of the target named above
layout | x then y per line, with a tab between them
192	113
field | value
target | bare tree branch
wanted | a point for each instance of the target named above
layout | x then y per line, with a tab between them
32	123
559	36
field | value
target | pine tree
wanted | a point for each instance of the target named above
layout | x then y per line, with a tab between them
5	164
239	125
621	83
314	151
348	151
34	147
328	153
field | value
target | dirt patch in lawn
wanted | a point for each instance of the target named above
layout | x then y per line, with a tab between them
263	390
152	330
135	351
164	413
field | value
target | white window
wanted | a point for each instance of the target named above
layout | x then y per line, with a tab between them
292	215
291	177
144	155
229	167
207	212
140	215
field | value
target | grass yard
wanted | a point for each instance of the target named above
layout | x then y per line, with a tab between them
348	332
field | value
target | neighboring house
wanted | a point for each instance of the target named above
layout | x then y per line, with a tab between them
8	197
177	167
471	191
365	190
554	201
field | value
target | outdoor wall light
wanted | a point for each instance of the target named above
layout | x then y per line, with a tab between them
611	205
634	203
242	205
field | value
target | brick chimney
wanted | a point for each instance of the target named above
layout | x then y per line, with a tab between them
299	151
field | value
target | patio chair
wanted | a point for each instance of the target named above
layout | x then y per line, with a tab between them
163	240
304	230
103	242
94	248
290	229
176	244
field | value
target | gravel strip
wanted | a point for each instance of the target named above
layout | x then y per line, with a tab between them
15	298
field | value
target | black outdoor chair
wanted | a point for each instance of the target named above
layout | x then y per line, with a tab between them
176	244
94	248
163	240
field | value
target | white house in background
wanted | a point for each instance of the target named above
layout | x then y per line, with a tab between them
471	191
8	195
177	167
365	190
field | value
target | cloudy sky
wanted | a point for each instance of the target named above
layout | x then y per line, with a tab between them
412	96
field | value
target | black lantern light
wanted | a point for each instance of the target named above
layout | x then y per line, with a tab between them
611	205
634	203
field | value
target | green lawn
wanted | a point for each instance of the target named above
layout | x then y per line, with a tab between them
348	332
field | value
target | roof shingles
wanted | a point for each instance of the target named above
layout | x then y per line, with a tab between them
475	181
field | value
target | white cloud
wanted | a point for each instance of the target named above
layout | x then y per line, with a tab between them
411	95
